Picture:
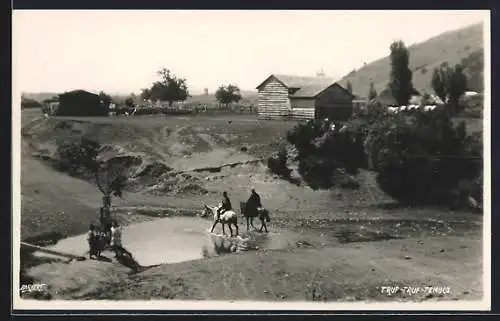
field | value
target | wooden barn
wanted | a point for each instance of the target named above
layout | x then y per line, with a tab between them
81	103
302	98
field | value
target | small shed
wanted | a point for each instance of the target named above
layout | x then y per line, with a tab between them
81	103
303	98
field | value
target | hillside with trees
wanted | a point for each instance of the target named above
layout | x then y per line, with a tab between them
463	46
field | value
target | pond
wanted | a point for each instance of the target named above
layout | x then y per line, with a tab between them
177	239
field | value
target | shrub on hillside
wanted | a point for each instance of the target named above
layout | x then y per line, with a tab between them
277	164
323	147
422	159
371	112
77	155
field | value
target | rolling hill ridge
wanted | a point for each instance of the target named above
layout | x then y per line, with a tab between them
463	46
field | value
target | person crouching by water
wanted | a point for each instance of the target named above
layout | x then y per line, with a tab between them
92	239
116	241
226	205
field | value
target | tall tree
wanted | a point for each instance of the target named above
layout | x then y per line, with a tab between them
146	94
456	85
438	82
449	83
169	88
400	82
372	93
474	67
349	87
129	101
226	95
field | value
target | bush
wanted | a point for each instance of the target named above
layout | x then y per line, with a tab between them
324	147
277	164
422	159
317	171
370	113
77	155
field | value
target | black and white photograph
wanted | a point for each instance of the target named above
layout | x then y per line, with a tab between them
251	159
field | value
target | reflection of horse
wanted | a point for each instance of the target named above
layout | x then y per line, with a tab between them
251	213
228	217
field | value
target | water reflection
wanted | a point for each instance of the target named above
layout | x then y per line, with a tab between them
221	245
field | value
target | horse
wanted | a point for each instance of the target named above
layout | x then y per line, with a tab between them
228	217
263	215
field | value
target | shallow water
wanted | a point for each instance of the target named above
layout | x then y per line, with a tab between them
177	239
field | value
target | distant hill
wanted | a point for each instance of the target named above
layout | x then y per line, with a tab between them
459	46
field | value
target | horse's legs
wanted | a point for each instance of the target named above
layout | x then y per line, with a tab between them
213	226
230	229
223	230
248	222
236	225
251	223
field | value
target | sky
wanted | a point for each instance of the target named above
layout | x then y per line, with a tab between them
120	51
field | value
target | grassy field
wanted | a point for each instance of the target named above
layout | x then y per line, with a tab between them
346	259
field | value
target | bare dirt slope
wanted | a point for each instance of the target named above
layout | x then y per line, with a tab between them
155	149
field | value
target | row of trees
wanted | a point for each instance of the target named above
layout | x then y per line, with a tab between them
427	158
169	88
172	89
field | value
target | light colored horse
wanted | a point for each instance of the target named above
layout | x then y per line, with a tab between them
228	217
250	214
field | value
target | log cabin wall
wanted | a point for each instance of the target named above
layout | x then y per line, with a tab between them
273	100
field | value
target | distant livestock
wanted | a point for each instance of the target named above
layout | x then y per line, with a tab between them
395	110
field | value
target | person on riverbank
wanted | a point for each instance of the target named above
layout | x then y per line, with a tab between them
116	241
92	240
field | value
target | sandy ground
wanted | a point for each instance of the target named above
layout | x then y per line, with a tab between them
355	271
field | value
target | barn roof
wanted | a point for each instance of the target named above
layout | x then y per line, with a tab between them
308	87
292	81
78	92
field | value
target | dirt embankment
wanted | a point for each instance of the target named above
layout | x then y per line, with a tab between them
155	152
172	162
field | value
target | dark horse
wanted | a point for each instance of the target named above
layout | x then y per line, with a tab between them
251	213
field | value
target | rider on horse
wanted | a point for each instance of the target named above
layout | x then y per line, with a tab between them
226	204
254	203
